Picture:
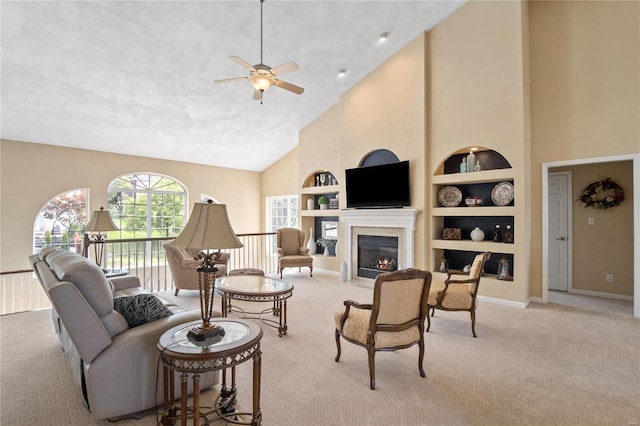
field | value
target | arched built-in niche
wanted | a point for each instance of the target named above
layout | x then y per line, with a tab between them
488	158
378	157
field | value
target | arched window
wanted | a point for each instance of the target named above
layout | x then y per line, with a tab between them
146	205
59	223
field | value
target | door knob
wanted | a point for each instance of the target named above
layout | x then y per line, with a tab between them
560	239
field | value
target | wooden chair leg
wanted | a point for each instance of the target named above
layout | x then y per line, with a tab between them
473	322
338	345
428	320
372	366
421	355
311	271
177	290
281	268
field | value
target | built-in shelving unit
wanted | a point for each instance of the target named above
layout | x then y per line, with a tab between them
460	252
313	187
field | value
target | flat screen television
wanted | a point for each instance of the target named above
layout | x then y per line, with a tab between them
383	186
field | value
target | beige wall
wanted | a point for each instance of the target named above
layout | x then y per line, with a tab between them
374	114
281	178
32	174
585	102
479	97
606	247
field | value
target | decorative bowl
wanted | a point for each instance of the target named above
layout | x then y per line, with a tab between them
473	201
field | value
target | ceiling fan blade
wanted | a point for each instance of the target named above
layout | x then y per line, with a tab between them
242	62
229	80
257	95
290	87
288	67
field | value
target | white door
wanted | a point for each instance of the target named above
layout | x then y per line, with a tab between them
558	231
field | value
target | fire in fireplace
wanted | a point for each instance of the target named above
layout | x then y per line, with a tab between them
376	254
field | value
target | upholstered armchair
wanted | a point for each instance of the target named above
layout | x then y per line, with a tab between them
291	250
394	321
183	266
458	294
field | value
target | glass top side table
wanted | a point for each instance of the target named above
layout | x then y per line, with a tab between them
178	354
253	288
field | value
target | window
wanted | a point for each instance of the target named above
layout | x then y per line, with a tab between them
282	212
60	222
147	205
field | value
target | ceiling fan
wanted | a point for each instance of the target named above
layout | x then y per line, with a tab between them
262	76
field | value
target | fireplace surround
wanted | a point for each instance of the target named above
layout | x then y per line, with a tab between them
397	223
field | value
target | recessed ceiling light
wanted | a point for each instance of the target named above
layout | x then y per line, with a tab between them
342	72
383	37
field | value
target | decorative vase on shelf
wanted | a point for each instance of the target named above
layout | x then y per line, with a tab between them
326	251
311	244
477	234
335	249
503	269
471	162
309	203
508	236
463	165
497	234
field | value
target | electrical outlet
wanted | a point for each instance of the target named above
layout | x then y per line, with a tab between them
590	221
609	278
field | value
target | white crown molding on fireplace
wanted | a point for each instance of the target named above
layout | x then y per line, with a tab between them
402	221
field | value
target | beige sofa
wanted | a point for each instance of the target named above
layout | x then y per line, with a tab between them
115	366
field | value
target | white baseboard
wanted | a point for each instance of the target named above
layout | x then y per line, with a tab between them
601	294
522	305
534	299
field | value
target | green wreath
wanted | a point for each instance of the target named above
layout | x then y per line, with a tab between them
602	195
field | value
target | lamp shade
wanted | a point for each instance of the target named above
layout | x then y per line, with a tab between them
208	228
101	222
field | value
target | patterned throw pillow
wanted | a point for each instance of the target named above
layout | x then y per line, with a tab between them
140	309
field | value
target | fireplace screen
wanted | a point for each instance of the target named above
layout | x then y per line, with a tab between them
376	254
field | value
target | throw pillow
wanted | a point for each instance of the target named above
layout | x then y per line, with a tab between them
140	309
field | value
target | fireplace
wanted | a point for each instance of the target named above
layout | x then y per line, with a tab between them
396	223
376	254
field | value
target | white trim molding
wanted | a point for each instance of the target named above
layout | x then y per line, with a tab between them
635	158
401	221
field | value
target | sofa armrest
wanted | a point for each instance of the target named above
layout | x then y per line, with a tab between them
128	372
122	283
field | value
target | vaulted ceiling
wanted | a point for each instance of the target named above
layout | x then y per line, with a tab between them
136	77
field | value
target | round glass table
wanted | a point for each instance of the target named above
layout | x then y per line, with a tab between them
253	288
179	354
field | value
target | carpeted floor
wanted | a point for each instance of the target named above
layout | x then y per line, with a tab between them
544	365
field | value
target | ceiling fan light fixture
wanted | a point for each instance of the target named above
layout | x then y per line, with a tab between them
261	82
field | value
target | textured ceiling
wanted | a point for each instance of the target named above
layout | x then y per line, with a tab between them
136	77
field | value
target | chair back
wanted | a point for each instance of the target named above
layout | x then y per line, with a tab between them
400	300
290	240
475	273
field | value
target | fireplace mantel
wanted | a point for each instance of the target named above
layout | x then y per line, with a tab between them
400	222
